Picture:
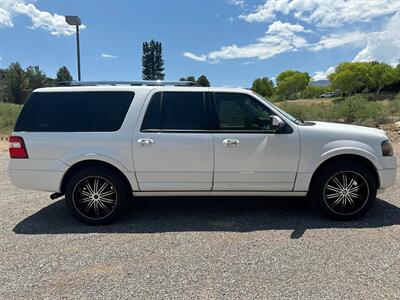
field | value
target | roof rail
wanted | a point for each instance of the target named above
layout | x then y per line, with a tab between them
131	83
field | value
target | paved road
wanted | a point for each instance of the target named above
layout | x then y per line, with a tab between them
197	248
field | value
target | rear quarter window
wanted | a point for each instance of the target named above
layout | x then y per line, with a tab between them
74	111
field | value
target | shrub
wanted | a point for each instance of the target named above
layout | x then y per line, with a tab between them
355	109
8	116
312	92
394	106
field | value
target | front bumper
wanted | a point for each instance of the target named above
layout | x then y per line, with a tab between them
387	178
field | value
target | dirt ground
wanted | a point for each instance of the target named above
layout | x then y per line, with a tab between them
3	145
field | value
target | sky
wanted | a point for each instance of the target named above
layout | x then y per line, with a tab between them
232	42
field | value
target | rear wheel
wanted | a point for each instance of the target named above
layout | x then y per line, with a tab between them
96	196
345	190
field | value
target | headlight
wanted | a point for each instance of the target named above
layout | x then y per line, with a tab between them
387	149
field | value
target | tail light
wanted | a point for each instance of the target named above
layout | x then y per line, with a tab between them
17	147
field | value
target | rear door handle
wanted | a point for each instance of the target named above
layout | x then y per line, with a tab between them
145	142
230	142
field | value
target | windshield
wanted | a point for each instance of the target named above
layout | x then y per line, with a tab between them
287	115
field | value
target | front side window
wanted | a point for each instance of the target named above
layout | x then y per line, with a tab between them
240	112
175	111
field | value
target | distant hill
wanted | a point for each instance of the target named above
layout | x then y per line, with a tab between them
320	83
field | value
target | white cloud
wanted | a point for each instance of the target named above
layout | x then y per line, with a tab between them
279	38
383	46
5	18
267	11
195	57
323	75
107	56
324	13
324	16
279	27
240	3
338	40
54	23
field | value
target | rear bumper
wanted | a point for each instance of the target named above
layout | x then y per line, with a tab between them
48	181
37	174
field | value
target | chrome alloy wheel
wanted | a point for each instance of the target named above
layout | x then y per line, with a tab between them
346	192
94	197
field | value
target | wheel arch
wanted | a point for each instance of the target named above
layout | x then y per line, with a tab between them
90	163
347	157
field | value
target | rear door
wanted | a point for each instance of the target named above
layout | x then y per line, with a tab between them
172	144
249	153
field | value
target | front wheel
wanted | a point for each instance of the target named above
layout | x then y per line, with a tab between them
96	195
344	191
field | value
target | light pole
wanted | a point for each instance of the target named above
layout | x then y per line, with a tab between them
74	20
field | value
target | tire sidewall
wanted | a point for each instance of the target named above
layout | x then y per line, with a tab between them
110	175
321	178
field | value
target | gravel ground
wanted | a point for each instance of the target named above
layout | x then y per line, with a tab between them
197	248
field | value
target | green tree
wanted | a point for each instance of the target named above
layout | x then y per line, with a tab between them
397	70
36	78
314	91
263	86
152	61
382	75
351	77
63	74
189	78
346	81
203	81
290	83
15	84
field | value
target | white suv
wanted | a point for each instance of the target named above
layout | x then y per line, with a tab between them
101	144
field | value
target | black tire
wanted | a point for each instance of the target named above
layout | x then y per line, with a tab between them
344	190
79	196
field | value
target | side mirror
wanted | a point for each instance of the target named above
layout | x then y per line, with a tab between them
277	122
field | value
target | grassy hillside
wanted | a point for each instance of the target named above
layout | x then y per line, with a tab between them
8	116
355	109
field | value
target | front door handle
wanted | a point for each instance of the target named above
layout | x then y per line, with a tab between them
145	142
230	142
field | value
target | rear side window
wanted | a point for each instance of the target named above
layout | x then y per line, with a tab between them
172	111
74	112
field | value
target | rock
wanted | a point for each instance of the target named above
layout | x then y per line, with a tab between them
397	124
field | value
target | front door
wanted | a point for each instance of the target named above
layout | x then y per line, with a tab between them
249	154
172	148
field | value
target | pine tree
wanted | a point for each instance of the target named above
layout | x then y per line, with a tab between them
152	61
203	81
63	74
16	84
36	78
189	78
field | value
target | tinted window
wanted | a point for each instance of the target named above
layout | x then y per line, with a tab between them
179	111
241	112
152	117
74	111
